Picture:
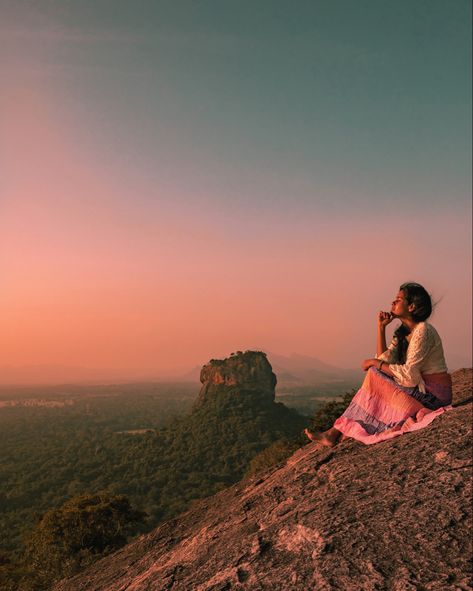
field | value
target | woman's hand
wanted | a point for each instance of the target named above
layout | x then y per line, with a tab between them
384	318
367	363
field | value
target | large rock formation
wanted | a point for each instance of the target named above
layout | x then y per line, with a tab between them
241	372
392	516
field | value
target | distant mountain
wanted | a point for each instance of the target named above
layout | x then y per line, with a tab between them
293	370
191	376
300	363
304	370
297	370
301	370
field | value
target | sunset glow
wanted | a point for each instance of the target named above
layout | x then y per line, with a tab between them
144	231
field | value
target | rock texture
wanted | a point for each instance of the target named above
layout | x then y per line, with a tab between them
243	372
392	516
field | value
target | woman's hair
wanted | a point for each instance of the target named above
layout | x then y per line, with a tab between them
419	296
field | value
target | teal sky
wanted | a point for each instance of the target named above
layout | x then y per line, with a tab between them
305	129
287	104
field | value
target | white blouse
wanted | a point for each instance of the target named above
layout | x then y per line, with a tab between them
424	356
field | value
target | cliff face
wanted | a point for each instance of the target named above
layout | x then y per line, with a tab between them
241	372
393	516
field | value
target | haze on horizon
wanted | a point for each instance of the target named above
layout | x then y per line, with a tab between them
190	179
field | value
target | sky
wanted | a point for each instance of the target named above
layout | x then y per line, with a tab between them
182	179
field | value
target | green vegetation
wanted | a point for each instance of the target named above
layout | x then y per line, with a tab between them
308	400
280	450
326	414
53	453
153	448
67	539
272	455
50	454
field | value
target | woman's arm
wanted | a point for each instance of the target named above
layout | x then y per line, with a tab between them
384	318
379	364
382	352
381	340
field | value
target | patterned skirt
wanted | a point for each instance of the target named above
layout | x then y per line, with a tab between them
382	409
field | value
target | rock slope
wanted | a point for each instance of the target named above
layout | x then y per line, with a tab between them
392	516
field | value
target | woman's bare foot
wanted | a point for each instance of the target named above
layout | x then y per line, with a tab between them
326	439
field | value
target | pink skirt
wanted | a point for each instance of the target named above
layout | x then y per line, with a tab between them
382	409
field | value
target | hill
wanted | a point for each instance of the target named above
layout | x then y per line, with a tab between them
393	516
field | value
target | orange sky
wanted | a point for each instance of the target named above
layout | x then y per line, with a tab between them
100	269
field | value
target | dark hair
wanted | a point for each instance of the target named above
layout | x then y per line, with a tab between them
415	294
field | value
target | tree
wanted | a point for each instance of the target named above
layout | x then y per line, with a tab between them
83	529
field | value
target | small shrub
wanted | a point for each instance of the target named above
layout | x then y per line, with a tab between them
327	414
276	453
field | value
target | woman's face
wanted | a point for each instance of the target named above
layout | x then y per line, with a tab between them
400	307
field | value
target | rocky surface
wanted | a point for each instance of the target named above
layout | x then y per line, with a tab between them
243	372
392	516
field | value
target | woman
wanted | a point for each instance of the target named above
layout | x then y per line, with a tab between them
407	384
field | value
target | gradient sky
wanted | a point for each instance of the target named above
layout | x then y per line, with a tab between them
183	179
